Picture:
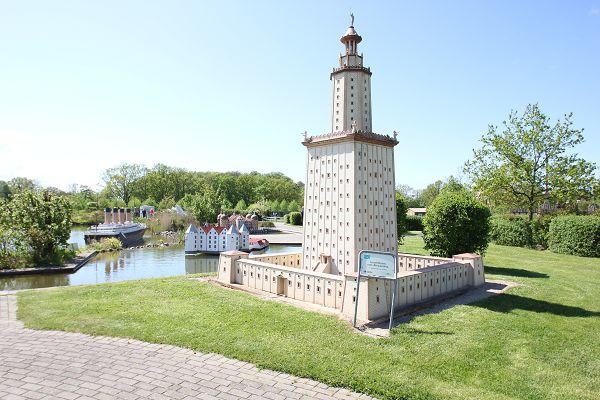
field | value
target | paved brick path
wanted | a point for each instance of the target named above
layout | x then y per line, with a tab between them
60	365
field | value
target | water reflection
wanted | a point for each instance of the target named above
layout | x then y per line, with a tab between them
127	265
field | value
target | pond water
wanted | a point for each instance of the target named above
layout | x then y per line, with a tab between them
126	265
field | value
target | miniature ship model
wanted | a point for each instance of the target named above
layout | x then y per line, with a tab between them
118	223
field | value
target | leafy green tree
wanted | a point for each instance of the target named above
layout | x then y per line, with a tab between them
150	202
293	206
204	207
166	203
411	196
21	184
401	209
134	202
121	181
428	195
241	206
260	207
452	185
4	191
456	223
226	205
39	225
531	161
283	206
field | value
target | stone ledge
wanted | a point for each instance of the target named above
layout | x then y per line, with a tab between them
72	266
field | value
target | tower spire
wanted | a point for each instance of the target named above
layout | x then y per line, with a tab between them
351	106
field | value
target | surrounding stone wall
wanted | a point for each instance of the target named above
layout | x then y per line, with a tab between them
291	259
288	281
423	279
409	262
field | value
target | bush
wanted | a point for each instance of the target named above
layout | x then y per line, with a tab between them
507	231
456	223
575	234
401	225
540	229
35	228
414	223
106	244
286	219
266	224
295	218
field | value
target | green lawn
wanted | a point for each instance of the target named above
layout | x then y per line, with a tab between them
540	340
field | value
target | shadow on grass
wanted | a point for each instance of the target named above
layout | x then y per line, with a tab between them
523	273
506	303
422	332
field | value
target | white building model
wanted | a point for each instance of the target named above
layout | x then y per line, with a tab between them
349	206
216	239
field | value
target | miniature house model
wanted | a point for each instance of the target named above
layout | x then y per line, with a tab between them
212	239
349	206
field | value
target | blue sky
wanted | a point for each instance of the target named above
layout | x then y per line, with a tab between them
225	86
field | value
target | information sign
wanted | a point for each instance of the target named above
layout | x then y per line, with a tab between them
377	265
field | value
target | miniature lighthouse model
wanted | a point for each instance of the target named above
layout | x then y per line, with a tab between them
349	199
349	206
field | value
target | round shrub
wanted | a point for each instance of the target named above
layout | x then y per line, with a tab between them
286	218
510	231
295	218
456	223
578	235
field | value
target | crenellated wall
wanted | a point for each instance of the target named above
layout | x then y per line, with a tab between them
291	259
409	262
422	279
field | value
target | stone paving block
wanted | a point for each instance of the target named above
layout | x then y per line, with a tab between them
75	366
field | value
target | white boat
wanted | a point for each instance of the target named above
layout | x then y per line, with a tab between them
118	223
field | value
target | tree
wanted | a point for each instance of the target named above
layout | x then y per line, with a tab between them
531	161
293	206
401	209
456	223
39	225
166	203
428	195
283	206
410	195
21	184
204	207
4	191
452	185
121	181
241	206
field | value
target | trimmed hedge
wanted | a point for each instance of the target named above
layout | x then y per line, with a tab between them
516	231
575	234
510	231
414	223
295	218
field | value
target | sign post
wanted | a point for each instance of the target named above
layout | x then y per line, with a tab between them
380	265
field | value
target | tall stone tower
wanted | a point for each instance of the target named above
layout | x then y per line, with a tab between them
349	199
